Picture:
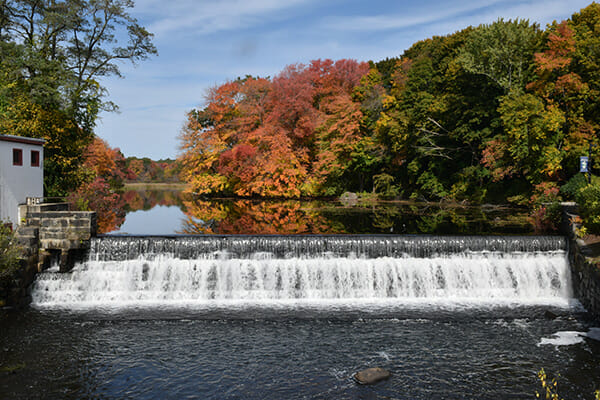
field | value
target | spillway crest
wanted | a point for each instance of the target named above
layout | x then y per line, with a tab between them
137	271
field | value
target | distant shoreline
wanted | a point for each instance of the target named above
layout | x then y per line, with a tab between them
155	186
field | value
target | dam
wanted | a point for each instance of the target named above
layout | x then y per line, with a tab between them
133	271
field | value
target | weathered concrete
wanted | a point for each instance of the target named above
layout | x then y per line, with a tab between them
47	232
63	235
586	279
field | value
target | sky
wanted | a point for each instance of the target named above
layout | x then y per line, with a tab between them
204	43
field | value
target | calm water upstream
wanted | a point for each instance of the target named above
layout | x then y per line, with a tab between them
159	212
293	317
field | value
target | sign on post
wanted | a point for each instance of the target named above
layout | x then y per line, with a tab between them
584	164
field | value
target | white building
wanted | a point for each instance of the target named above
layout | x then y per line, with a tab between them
21	174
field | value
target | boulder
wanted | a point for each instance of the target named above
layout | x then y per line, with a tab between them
371	375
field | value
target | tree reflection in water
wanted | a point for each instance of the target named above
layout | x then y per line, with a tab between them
246	216
112	214
319	217
257	217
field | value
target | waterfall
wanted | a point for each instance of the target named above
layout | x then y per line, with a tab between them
134	271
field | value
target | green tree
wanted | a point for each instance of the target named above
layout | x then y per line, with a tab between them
502	52
53	53
531	144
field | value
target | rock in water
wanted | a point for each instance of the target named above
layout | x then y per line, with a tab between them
371	375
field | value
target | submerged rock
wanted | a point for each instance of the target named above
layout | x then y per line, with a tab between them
371	375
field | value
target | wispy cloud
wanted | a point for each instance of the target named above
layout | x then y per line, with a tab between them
456	15
383	22
204	17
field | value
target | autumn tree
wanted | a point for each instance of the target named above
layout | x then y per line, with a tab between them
274	138
487	113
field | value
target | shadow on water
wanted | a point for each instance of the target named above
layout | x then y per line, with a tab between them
173	212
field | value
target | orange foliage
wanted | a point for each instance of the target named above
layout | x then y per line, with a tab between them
276	138
288	217
561	46
106	162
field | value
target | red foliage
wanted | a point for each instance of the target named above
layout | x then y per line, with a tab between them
106	162
265	138
98	196
238	162
561	46
492	156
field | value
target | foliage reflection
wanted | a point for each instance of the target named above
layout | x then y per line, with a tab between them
244	216
319	217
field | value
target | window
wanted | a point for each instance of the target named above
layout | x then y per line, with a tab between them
35	158
17	157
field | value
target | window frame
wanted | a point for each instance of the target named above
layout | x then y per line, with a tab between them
37	158
17	157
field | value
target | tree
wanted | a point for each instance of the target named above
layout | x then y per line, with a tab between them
74	42
53	52
531	145
503	52
561	87
279	138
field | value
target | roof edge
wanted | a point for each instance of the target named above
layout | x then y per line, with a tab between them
22	139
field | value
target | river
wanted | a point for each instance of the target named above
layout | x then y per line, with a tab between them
202	313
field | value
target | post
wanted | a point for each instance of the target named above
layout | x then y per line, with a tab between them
590	163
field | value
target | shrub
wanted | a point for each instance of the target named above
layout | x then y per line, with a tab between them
545	207
571	189
383	184
588	199
9	253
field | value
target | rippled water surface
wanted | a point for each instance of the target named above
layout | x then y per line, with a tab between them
293	353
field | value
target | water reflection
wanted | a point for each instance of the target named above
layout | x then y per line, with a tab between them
258	217
173	212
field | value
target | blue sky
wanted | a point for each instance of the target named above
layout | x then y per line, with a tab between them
203	43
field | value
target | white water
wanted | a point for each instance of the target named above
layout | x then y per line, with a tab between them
472	277
567	338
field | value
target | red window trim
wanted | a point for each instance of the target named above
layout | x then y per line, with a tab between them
35	161
18	160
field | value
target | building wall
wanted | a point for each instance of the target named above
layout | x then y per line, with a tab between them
17	182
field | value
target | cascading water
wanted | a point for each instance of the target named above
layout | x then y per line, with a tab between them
137	271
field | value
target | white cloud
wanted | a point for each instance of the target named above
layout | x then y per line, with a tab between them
204	17
405	20
457	16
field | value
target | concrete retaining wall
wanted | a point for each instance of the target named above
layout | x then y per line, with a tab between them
586	279
585	263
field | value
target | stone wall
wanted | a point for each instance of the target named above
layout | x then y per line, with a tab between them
47	232
585	264
586	279
64	229
63	234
